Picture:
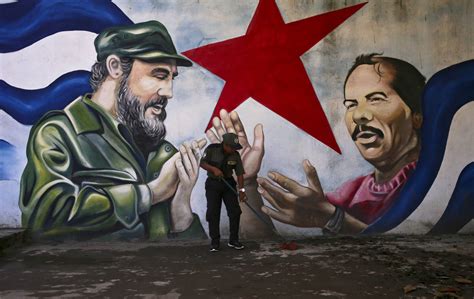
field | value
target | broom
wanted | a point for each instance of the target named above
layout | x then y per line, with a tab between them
285	244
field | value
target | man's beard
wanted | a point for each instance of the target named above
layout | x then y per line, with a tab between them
147	132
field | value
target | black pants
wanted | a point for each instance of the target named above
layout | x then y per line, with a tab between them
216	191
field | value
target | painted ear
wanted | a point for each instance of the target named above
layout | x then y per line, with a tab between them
417	120
114	67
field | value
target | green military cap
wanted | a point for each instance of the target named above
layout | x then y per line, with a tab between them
232	140
148	41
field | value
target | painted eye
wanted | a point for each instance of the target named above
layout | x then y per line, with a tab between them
350	104
376	99
161	76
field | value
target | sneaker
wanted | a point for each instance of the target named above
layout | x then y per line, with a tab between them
236	245
214	248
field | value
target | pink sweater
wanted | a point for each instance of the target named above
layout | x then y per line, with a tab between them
366	200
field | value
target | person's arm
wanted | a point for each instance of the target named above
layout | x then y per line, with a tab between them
239	172
214	170
240	187
205	164
352	226
54	205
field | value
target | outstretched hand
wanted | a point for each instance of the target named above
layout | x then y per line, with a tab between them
293	203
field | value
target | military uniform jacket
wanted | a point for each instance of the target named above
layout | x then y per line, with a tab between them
83	178
214	155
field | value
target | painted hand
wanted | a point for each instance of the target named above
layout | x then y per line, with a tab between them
188	170
165	185
252	155
188	163
296	204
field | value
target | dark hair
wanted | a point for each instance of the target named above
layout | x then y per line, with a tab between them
408	82
99	71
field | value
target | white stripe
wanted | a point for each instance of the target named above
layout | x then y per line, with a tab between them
43	62
12	131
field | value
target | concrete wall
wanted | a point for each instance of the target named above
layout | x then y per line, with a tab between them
429	34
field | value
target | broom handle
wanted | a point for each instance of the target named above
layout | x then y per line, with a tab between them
251	208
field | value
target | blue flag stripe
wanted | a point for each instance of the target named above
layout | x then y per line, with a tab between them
446	92
26	22
27	106
7	156
460	209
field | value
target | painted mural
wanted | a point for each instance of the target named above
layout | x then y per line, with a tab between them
343	131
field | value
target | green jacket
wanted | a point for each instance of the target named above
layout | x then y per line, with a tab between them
84	179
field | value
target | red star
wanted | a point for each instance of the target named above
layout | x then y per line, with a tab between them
265	64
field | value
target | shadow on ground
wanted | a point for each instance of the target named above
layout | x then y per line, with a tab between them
346	267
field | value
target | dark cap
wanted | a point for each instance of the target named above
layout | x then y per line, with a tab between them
148	41
231	140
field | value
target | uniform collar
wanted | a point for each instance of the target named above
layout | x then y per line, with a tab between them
80	113
81	117
87	116
108	118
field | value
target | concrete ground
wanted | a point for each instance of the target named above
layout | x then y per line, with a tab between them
345	267
11	236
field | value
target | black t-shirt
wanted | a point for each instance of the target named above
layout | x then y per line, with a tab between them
214	155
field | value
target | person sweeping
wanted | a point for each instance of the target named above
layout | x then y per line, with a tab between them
221	160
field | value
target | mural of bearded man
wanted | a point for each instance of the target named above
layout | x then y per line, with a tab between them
102	164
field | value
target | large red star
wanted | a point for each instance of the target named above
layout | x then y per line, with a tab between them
265	64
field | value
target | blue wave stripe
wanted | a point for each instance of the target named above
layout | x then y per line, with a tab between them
446	92
460	209
7	157
27	106
26	22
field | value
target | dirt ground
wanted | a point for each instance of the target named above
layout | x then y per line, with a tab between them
343	267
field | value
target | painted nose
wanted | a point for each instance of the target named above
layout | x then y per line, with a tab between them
362	116
166	91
